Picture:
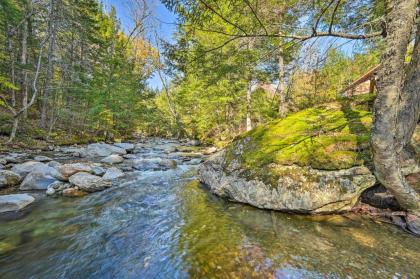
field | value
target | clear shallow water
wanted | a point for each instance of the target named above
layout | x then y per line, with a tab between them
164	224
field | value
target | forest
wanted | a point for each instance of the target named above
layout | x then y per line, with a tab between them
306	110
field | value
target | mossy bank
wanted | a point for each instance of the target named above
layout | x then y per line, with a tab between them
313	161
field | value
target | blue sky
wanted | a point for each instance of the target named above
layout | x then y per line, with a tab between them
160	17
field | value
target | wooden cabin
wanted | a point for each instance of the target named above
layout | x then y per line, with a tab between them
363	85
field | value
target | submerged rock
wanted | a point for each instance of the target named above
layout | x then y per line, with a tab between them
15	202
74	192
9	178
309	162
113	159
113	173
88	182
103	150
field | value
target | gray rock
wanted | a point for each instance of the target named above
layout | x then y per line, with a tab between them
194	142
98	171
54	164
3	161
1	167
154	164
129	156
293	189
68	170
15	202
40	178
25	168
9	178
113	173
210	150
50	191
103	150
113	159
126	146
42	158
88	182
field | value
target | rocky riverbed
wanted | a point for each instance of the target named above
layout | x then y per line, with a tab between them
75	171
158	221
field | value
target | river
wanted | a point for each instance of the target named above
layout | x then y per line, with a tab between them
165	224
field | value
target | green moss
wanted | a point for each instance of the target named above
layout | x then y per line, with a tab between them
330	137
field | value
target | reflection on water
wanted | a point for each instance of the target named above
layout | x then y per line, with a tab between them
166	225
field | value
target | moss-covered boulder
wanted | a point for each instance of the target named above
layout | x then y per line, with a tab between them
313	161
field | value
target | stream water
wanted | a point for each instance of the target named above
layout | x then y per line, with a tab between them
164	224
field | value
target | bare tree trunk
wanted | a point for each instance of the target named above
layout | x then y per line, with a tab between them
14	129
282	84
249	107
23	61
50	64
388	115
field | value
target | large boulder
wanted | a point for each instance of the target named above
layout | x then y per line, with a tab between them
9	178
68	170
40	178
103	150
15	202
310	162
112	159
25	168
113	173
88	182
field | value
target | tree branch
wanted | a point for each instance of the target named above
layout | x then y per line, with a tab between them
222	17
333	16
256	16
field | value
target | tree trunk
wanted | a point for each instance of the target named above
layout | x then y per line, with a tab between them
249	107
50	64
23	61
282	82
389	117
409	108
14	128
282	85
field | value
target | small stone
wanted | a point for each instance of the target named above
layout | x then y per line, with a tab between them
9	178
53	164
98	171
73	192
126	146
113	173
42	158
50	191
129	156
113	159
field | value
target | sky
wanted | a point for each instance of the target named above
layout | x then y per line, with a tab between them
161	20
